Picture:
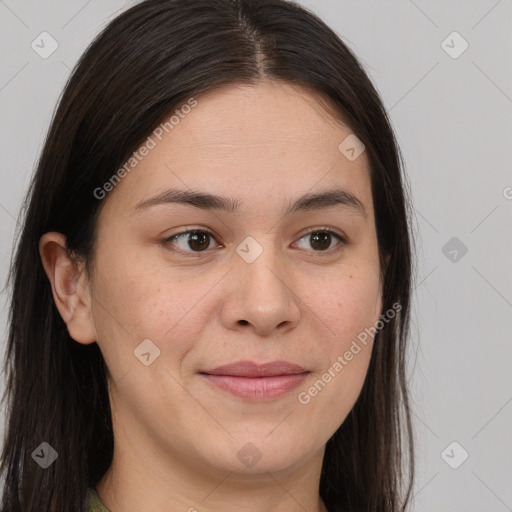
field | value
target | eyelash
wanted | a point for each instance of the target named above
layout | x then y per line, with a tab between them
342	240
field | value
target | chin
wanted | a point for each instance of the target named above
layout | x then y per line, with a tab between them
251	455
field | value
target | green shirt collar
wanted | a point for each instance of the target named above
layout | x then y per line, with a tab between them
93	502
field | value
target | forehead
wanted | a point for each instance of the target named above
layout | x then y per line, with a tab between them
264	120
247	140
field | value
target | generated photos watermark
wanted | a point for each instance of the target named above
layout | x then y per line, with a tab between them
149	144
304	397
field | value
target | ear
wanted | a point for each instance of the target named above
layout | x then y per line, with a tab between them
70	287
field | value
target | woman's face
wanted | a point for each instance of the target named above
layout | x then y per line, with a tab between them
262	282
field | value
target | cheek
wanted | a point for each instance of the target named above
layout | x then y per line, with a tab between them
347	305
346	312
167	306
132	302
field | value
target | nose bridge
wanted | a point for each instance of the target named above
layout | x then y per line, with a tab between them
260	275
264	295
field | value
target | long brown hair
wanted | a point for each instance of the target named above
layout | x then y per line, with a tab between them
144	64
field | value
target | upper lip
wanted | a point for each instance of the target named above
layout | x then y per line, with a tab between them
252	369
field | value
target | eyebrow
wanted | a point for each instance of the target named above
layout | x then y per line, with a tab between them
206	201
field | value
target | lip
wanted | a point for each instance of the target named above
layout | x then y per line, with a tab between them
257	382
252	369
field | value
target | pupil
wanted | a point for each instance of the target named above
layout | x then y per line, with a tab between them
321	239
198	240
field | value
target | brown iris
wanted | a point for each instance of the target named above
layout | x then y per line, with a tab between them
198	240
321	240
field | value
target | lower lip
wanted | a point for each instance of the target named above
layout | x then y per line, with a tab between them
257	388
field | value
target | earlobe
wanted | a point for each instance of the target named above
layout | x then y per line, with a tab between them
70	288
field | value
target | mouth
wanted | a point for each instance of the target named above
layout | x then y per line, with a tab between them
257	382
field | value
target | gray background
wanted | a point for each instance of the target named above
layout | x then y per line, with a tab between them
452	117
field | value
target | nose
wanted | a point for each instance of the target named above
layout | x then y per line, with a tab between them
260	297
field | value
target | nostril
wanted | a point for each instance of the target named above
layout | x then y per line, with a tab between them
243	322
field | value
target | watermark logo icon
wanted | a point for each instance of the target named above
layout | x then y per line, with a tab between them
249	250
454	45
146	352
351	147
454	249
44	455
44	45
249	455
454	455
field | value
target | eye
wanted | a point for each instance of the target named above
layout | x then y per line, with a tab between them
321	240
197	241
191	241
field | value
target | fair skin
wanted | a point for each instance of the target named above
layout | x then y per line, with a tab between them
303	300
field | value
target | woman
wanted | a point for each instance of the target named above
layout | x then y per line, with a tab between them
210	293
